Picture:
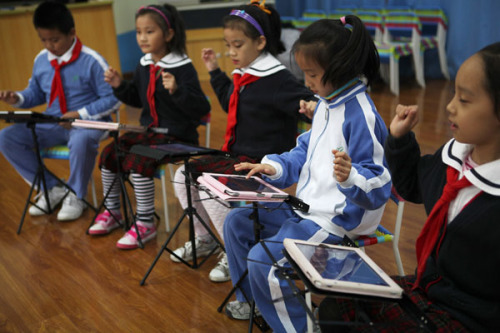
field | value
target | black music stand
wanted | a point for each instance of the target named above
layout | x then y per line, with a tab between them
31	119
257	227
185	152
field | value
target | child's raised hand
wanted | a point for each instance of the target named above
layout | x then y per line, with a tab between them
210	59
405	119
265	169
112	77
169	82
9	97
341	165
307	108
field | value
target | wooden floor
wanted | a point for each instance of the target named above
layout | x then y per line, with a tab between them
54	277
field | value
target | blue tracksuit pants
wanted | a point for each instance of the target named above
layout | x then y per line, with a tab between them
262	283
17	145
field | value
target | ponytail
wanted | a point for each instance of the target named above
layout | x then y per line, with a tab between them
342	52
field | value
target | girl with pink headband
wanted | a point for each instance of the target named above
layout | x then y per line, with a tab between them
166	86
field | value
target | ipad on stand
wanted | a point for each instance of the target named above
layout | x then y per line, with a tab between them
341	269
240	188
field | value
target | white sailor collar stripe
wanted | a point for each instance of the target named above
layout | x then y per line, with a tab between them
265	64
171	60
485	176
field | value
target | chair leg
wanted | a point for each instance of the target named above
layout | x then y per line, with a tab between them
441	41
394	75
207	135
165	202
395	241
92	186
171	171
442	61
418	60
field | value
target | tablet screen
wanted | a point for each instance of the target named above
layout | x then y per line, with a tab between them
244	184
340	264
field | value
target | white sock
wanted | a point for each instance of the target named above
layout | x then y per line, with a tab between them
181	192
217	213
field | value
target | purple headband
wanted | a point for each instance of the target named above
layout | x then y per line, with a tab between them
158	11
248	18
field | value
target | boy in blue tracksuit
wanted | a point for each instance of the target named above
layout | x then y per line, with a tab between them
338	166
69	77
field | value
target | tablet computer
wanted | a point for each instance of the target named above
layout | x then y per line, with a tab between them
240	188
175	149
341	269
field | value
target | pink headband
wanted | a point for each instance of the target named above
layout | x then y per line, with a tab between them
158	11
342	19
248	18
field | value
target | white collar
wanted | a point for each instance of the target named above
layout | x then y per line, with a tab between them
264	65
65	57
485	177
171	60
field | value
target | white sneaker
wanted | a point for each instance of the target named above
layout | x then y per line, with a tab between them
55	196
240	310
72	208
220	273
202	250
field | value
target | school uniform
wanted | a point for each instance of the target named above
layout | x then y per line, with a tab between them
86	92
349	122
267	113
179	114
462	279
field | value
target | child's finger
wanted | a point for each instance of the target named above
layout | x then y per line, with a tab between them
167	75
243	166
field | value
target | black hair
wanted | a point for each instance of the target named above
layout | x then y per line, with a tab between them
178	43
342	52
53	15
491	60
270	24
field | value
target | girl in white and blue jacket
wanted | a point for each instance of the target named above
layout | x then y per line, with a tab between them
338	166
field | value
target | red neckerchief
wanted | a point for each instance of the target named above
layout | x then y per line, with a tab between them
238	82
151	94
437	221
57	89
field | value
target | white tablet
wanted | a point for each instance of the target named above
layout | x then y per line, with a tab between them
341	269
239	188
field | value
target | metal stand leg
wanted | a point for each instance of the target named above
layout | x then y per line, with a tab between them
40	180
257	227
189	212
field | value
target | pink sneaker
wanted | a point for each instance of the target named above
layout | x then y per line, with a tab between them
105	223
147	231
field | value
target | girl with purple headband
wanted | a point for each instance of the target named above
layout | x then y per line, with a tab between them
166	86
262	102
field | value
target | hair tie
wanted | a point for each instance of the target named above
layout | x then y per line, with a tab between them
261	5
248	18
342	19
158	11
